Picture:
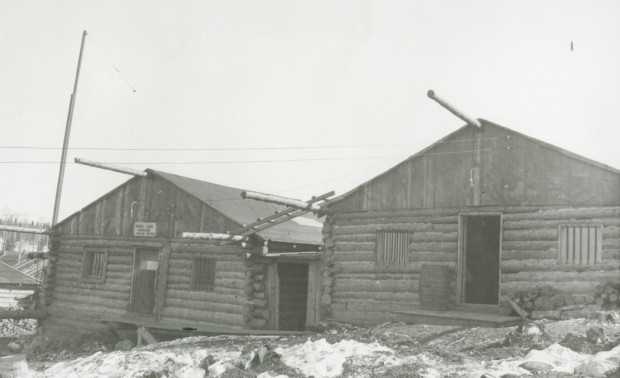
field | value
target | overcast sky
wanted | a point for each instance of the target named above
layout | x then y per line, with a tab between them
263	78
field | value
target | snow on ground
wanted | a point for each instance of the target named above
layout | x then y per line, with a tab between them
322	359
180	362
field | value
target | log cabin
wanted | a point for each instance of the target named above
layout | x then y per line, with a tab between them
123	258
482	213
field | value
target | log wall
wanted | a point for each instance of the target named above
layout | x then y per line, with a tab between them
356	289
78	306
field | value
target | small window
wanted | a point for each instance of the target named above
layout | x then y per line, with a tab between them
203	274
580	245
94	265
392	248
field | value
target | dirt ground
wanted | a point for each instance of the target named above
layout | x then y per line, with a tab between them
567	348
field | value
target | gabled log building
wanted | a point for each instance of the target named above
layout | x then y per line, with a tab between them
123	258
485	211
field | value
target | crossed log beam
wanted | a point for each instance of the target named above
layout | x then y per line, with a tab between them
295	208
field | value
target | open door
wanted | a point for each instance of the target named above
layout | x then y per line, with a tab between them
479	270
293	290
146	263
293	294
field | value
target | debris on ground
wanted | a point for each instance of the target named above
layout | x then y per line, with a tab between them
581	347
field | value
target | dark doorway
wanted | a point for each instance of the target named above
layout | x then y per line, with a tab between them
146	262
293	290
480	269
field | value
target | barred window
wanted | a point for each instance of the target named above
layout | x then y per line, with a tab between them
203	274
94	263
392	248
580	245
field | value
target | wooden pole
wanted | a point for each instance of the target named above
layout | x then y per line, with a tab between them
111	167
24	230
65	145
214	236
281	200
472	121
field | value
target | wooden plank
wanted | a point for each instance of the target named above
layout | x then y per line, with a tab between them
273	295
599	246
577	247
147	336
162	280
313	307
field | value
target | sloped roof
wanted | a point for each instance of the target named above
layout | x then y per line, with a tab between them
228	201
12	276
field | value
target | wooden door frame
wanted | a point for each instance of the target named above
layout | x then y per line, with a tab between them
460	265
154	247
313	301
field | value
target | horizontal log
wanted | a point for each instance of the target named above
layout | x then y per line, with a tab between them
583	287
611	243
110	241
205	306
369	256
528	224
513	266
379	276
198	323
219	273
530	245
561	276
438	219
221	264
531	234
76	281
22	314
229	257
372	267
219	282
88	288
185	286
365	305
371	237
355	246
611	254
524	254
220	318
393	213
81	311
450	247
236	298
408	227
583	213
94	303
410	286
432	257
379	296
433	236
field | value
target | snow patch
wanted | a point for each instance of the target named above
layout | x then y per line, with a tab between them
322	359
307	222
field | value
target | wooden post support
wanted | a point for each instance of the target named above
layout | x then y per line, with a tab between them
146	336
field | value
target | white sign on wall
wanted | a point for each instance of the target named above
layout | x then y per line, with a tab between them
145	229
